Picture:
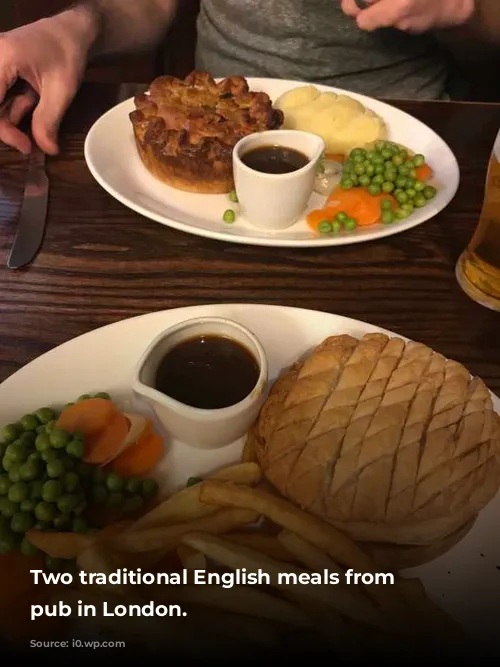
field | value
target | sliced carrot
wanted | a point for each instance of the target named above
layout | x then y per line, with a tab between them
424	173
138	459
104	445
89	416
318	215
335	157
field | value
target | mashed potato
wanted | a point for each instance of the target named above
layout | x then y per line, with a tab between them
343	122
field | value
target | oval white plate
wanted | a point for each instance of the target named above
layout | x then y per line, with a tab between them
465	581
112	158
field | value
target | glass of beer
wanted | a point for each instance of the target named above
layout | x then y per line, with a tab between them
478	269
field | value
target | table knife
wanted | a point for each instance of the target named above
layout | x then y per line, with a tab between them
33	215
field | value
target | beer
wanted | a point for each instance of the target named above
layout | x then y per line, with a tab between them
478	269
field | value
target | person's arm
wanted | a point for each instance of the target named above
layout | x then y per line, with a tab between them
126	25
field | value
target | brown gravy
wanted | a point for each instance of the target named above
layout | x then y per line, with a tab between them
274	159
207	372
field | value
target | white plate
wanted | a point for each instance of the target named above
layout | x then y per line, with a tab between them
112	158
465	581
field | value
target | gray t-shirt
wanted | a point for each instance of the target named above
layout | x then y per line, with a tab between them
312	40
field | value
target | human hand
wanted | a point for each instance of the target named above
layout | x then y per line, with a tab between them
48	59
410	15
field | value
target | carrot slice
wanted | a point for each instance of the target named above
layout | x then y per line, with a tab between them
104	445
138	459
357	203
89	416
424	173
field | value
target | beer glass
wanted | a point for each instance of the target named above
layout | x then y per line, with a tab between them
478	269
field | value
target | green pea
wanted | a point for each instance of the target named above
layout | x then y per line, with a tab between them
99	494
71	482
16	452
429	192
386	204
36	489
369	169
29	471
325	227
27	505
337	226
401	182
150	488
419	160
34	457
380	145
404	170
387	217
341	216
14	474
67	503
40	429
52	490
8	508
50	426
386	153
45	415
83	397
79	525
364	180
350	224
378	159
397	160
408	207
18	492
49	455
358	159
61	522
42	443
55	468
76	449
387	187
8	541
45	511
7	463
346	183
21	522
379	169
229	216
419	186
133	504
390	175
401	214
59	438
10	432
412	173
5	484
53	564
29	422
114	482
402	197
419	201
378	179
374	189
358	152
411	193
27	439
27	548
133	485
359	170
104	394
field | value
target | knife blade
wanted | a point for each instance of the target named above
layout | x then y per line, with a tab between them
33	215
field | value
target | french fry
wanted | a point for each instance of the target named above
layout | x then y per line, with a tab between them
311	529
249	455
265	544
169	537
191	559
242	600
237	557
307	554
185	505
60	545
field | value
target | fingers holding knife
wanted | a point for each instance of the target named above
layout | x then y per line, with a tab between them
16	102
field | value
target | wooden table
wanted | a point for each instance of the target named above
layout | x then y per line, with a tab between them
101	262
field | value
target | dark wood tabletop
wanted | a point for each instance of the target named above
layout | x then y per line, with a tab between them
101	262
